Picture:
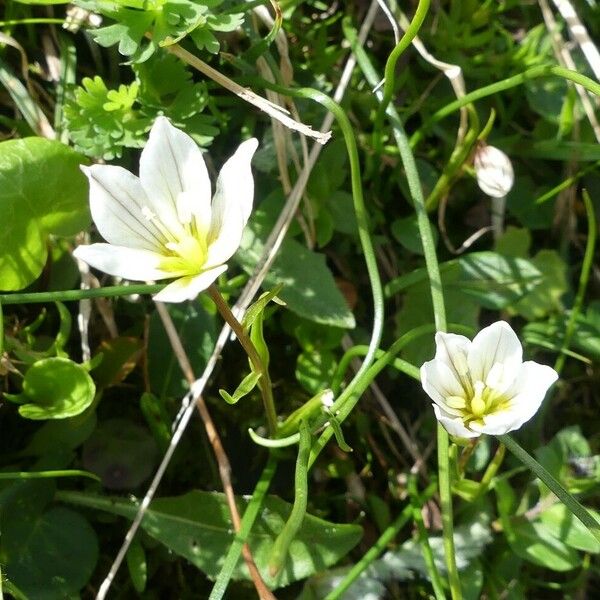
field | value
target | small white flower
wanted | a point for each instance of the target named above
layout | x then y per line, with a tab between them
483	386
163	225
494	171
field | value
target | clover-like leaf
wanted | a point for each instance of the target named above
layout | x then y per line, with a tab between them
55	388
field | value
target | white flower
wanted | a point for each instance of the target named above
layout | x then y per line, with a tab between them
494	171
163	225
483	386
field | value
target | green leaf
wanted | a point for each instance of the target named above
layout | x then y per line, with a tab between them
406	231
31	535
101	122
534	543
309	287
42	192
531	541
121	452
545	297
560	523
314	370
55	388
246	386
197	526
137	566
61	436
198	331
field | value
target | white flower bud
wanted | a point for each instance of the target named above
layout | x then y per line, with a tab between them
495	175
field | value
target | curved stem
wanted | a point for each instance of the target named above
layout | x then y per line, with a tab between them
506	84
390	68
264	383
294	522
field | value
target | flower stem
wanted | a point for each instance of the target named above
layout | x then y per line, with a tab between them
264	383
75	295
553	484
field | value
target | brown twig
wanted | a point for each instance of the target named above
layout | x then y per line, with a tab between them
222	460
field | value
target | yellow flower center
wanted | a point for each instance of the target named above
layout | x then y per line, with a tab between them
186	249
477	401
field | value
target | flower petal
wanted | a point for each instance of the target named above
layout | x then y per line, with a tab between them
171	164
130	263
231	205
116	201
527	394
439	382
496	344
452	350
453	425
187	288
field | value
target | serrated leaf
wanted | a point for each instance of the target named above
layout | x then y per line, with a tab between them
197	526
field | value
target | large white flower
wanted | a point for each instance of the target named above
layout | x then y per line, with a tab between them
483	386
163	225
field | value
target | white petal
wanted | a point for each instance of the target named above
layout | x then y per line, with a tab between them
130	263
439	382
496	344
452	350
172	163
453	425
231	204
187	288
116	201
527	394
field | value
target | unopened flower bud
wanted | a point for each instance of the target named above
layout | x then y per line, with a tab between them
495	175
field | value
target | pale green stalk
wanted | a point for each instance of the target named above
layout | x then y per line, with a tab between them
48	474
250	514
76	295
432	570
437	297
584	276
294	522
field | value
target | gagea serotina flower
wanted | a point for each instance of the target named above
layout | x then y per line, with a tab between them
483	386
163	224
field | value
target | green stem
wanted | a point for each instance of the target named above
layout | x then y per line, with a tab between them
378	547
500	86
586	267
264	383
390	69
432	570
553	485
250	514
437	297
76	295
401	365
48	474
294	522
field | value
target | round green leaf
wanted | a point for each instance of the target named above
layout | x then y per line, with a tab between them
42	191
56	388
121	452
49	555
